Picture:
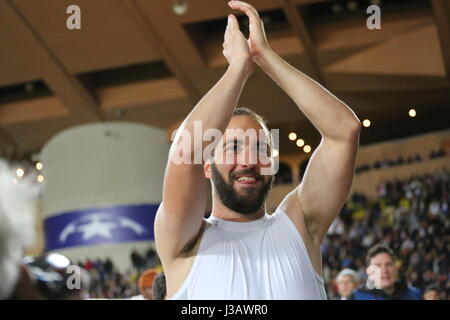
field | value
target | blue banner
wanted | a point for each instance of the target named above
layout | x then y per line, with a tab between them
100	226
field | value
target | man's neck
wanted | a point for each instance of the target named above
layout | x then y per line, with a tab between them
389	290
220	211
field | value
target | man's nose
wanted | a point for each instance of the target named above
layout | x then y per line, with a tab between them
384	271
250	157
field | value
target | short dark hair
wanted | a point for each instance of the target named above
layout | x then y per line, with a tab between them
376	249
159	287
243	111
432	287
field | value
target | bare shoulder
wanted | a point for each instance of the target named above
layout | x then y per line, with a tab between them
292	207
177	269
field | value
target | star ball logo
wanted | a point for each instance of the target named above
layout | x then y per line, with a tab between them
97	226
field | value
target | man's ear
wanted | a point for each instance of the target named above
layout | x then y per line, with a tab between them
207	169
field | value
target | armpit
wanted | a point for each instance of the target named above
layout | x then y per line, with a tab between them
188	249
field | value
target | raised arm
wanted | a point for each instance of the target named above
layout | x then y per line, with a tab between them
328	177
179	217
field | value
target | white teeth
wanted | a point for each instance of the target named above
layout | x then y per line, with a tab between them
240	179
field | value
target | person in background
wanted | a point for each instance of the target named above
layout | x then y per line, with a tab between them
17	232
431	293
347	281
109	266
145	284
137	260
54	279
159	287
385	273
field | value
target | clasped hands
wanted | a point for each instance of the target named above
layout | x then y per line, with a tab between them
239	51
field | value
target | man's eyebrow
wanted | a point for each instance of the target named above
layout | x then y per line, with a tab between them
260	143
232	141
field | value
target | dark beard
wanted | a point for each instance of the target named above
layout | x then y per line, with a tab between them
247	204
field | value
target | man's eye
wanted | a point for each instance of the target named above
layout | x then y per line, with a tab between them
233	148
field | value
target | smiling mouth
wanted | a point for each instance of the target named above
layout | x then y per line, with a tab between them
247	180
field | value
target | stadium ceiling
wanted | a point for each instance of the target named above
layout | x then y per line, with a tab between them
139	61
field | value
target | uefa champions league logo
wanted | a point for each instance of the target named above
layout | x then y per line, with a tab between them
99	225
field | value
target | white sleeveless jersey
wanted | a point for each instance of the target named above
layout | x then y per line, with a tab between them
257	260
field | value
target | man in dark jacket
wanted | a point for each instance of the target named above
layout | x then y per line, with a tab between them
384	281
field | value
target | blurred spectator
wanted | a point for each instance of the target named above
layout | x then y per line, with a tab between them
347	281
17	213
431	293
159	287
151	258
437	153
137	260
88	264
109	266
389	163
110	283
146	285
385	273
56	279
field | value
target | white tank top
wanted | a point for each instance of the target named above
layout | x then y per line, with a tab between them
257	260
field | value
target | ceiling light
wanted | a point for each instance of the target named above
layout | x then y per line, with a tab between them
292	136
20	172
366	123
180	7
39	165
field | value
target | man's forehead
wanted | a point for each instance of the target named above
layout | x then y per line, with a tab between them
243	126
243	121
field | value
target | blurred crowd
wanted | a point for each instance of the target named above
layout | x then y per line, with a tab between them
389	163
106	281
284	173
411	217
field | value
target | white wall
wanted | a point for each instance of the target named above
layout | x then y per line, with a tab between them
101	165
